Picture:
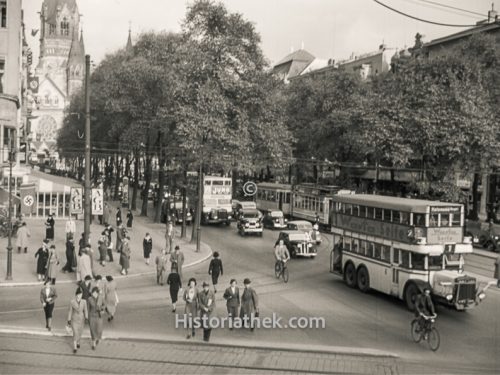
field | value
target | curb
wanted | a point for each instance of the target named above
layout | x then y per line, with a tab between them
484	253
118	277
292	348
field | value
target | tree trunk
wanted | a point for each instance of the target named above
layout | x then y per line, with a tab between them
474	212
161	175
136	180
147	184
184	206
117	177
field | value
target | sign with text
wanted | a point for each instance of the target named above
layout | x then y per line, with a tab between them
444	235
446	210
97	201
76	201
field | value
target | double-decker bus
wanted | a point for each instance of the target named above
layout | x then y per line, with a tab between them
217	194
399	246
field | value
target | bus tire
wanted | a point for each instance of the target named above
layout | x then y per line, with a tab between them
410	295
363	279
350	275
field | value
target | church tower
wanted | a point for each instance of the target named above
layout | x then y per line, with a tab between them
60	68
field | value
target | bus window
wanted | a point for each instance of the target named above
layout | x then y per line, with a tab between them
355	210
369	249
434	220
405	259
405	218
362	247
445	220
287	198
348	209
395	256
370	212
362	211
208	182
386	254
321	207
419	220
436	262
355	245
378	251
396	217
417	261
378	214
455	219
347	243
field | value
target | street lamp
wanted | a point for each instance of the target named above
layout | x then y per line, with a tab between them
87	207
12	158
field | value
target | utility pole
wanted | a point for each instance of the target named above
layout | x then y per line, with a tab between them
200	207
87	207
12	157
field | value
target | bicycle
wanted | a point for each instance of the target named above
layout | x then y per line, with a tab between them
280	269
428	332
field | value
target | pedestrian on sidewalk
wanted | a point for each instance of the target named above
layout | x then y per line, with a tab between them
120	235
125	256
110	297
232	296
249	305
86	287
147	246
110	231
175	285
497	271
161	267
190	296
215	269
43	255
118	216
23	234
109	246
96	310
100	284
84	265
48	295
70	228
70	256
169	236
52	263
77	314
81	243
103	248
206	300
130	219
49	227
105	214
177	260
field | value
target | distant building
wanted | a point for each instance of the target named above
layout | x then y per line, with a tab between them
60	71
293	65
369	64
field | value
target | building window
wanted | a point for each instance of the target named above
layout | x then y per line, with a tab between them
2	74
64	27
52	29
3	13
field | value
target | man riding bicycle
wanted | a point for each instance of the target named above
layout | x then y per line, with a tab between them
281	254
424	307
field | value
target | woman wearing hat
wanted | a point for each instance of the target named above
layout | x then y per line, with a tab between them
96	310
249	304
147	246
48	295
125	256
43	255
23	234
215	269
49	227
70	255
77	315
52	263
175	284
190	296
110	297
84	264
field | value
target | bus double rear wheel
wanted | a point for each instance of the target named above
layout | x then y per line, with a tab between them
350	275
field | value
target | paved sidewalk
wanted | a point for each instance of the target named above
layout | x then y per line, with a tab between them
24	265
22	353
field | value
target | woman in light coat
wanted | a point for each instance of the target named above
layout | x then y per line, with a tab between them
110	297
52	264
23	234
84	265
78	313
190	296
96	310
161	267
125	256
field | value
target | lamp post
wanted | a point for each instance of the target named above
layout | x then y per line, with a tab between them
12	156
200	208
87	206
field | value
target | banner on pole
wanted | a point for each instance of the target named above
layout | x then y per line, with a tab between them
28	199
76	201
97	201
125	192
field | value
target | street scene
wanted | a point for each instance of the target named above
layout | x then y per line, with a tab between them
249	187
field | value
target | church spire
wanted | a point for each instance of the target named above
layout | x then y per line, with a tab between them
129	47
82	46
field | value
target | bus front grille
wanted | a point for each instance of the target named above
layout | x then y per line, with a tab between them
466	292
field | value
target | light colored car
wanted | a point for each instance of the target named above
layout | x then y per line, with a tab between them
306	227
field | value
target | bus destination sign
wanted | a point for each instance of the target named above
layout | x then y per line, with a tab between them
444	210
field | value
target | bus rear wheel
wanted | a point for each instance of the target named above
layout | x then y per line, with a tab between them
411	293
363	279
350	275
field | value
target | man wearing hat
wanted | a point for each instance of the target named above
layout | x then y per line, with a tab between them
43	255
249	305
49	227
232	296
206	302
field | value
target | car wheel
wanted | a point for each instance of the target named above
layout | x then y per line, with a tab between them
490	246
293	253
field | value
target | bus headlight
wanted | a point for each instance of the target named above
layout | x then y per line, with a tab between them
449	297
481	296
247	225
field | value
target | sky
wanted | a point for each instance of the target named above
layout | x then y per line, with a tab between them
325	28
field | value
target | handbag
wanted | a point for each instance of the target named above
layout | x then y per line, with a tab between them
69	329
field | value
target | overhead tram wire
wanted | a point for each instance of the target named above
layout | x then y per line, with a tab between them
429	6
421	19
451	7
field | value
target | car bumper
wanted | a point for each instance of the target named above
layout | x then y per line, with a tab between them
252	230
307	255
279	226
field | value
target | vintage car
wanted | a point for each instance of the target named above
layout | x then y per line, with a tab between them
298	243
307	227
484	234
179	216
274	219
238	206
216	216
250	221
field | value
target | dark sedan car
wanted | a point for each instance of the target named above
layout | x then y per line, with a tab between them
274	219
298	244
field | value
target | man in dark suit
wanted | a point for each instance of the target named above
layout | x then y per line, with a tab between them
232	296
206	302
249	305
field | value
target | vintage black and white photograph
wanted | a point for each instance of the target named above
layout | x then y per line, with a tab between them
250	187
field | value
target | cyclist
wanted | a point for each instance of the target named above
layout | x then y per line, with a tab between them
281	254
424	307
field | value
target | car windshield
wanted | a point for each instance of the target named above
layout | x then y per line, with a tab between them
277	214
297	237
250	214
301	226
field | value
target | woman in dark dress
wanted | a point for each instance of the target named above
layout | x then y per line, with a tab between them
175	284
130	219
147	246
49	227
215	269
43	256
